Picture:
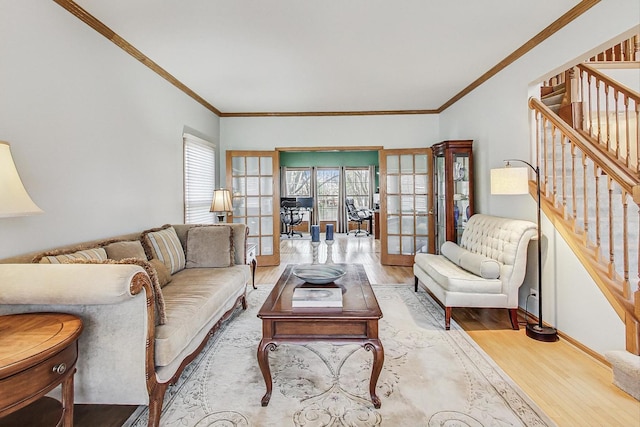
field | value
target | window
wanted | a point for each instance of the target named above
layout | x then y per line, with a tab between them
357	186
297	182
199	179
328	190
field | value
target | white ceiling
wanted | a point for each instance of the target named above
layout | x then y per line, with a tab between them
327	56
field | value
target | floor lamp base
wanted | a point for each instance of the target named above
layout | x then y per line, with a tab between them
544	333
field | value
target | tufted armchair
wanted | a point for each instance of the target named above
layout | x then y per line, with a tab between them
485	270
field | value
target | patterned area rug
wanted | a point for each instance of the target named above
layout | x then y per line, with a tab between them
430	377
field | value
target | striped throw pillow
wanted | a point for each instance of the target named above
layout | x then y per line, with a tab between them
95	253
165	246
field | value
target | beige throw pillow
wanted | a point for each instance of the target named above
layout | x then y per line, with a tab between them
210	247
163	244
164	276
125	249
55	257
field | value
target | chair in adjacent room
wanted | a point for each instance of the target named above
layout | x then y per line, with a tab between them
358	216
290	216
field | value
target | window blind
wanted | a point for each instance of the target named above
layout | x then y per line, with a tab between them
199	179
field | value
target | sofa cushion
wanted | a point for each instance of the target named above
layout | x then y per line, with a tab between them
454	278
125	249
59	257
163	243
210	247
158	298
194	298
477	264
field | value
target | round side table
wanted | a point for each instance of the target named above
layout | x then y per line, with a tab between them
38	352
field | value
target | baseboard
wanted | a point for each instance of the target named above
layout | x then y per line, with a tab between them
577	344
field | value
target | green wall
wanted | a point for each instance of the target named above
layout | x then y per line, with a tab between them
298	159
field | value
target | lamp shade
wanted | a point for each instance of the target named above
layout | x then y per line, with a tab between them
509	180
221	201
14	200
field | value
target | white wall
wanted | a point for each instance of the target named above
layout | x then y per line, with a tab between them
496	115
96	136
267	133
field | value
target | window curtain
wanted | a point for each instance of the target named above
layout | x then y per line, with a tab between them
199	179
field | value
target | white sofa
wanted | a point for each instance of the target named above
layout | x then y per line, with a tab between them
485	270
130	351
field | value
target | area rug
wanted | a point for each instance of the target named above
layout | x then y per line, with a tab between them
431	377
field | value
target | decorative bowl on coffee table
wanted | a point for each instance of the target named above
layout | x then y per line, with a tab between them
318	274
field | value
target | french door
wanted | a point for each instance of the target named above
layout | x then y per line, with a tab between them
254	178
406	205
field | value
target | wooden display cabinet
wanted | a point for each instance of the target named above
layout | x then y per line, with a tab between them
453	189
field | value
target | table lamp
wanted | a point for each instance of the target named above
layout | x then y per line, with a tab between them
14	199
221	203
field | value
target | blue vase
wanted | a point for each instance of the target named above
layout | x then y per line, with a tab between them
456	215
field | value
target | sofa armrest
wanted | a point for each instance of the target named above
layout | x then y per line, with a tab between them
68	284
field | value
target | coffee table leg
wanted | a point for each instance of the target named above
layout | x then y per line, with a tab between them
263	362
375	347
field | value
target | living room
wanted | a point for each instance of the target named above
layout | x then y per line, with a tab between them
97	139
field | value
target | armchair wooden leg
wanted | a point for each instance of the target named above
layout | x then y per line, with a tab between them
447	318
513	315
415	283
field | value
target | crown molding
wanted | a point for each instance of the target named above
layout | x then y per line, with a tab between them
111	35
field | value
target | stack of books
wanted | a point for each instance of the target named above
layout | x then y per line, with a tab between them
317	297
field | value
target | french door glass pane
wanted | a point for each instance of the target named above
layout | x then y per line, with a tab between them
406	163
393	164
422	165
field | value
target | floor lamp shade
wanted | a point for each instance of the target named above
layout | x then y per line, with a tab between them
221	203
510	180
14	199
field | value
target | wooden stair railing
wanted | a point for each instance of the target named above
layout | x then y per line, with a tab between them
593	201
610	115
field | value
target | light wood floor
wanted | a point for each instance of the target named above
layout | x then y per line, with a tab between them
573	388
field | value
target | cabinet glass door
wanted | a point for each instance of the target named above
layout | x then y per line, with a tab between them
253	176
406	214
453	167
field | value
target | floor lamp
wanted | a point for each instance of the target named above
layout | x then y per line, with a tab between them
510	180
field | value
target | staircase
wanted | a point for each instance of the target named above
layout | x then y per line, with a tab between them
587	145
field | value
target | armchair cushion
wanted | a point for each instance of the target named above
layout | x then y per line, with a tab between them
480	265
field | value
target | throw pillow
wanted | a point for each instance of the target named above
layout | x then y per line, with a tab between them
164	276
480	265
163	244
210	247
161	315
452	252
61	256
125	249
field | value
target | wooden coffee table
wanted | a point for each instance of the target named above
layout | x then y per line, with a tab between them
355	323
